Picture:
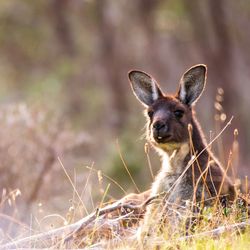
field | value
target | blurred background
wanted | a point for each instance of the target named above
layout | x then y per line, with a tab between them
70	125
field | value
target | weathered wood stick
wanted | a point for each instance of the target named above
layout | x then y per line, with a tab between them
67	233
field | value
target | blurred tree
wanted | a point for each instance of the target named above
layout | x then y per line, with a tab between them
74	57
60	12
146	17
59	9
212	37
112	63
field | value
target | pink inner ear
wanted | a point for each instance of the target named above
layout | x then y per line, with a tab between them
155	90
182	93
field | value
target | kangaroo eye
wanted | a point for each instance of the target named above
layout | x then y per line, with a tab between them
178	113
150	113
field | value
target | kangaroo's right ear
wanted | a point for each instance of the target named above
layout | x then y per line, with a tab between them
144	87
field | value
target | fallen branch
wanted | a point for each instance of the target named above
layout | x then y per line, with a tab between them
218	231
93	222
161	241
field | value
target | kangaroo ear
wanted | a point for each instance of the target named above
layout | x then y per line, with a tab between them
192	84
144	87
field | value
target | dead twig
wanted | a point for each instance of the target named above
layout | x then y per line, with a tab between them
218	231
159	241
64	235
136	210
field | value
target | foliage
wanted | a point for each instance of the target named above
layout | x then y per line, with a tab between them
64	96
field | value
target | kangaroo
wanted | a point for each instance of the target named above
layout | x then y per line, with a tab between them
189	171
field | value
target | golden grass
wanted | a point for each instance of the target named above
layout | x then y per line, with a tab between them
216	227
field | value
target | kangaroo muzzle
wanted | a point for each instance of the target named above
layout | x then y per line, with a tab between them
161	132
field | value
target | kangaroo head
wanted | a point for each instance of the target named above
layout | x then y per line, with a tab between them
169	115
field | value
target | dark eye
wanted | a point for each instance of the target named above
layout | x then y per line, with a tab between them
150	113
178	113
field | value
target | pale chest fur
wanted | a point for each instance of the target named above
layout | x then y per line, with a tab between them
168	180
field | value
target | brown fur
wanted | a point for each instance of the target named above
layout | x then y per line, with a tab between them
179	134
176	135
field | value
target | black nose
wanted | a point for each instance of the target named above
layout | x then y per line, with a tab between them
160	125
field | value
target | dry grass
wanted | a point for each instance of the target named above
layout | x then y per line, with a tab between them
217	227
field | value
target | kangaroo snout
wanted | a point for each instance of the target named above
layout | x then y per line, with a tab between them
160	131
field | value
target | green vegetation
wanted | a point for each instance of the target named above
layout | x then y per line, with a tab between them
67	112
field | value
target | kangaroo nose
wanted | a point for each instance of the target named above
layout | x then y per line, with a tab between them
159	125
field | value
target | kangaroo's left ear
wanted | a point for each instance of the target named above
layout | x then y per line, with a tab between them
192	84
